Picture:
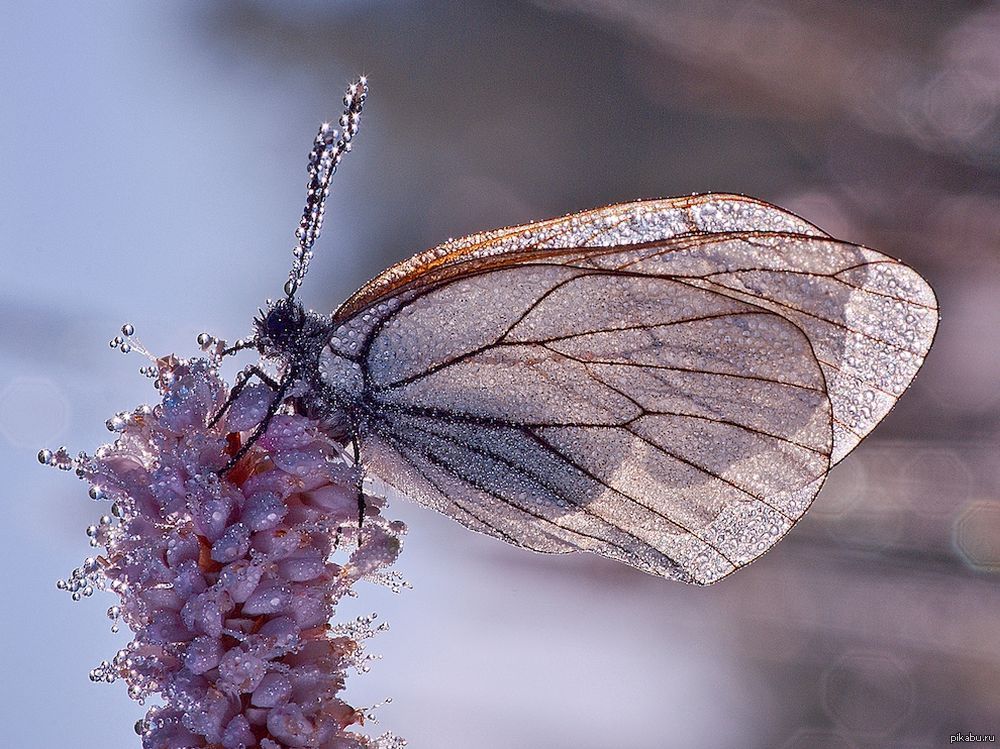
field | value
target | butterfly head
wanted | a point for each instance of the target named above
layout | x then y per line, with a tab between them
281	324
288	332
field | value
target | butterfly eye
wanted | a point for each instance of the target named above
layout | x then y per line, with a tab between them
283	321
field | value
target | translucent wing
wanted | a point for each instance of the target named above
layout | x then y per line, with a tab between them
624	223
664	383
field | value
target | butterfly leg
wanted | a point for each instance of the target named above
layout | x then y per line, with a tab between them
361	494
258	432
242	380
239	346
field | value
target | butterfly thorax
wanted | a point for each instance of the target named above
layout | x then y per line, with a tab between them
340	372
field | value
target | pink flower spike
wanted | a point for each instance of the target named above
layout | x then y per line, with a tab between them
227	580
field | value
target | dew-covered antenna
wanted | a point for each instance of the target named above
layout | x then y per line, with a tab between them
328	149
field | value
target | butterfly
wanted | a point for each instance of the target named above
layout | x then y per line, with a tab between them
666	383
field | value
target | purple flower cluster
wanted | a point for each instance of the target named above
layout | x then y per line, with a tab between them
228	581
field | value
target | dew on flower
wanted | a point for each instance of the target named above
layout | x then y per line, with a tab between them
228	580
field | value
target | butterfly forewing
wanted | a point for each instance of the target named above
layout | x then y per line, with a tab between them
663	383
870	319
624	223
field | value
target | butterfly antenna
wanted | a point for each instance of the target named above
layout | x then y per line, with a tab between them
328	149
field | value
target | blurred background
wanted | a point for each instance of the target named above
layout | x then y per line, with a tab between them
152	170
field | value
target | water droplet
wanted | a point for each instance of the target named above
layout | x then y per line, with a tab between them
117	422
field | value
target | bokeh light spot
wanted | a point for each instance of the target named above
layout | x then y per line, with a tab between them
977	535
818	738
867	693
937	481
